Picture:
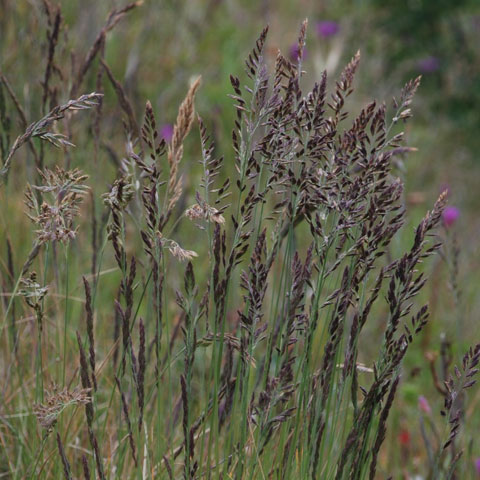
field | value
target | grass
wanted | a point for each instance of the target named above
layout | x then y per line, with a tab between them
251	315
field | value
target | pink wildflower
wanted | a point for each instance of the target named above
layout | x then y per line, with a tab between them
450	216
423	405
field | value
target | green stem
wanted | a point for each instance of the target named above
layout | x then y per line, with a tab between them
65	316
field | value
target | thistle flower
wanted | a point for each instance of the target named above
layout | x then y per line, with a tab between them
327	28
450	216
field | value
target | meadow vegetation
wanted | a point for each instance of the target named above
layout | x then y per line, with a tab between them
229	295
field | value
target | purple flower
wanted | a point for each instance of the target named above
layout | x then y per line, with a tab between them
428	64
423	405
450	216
327	28
294	52
166	132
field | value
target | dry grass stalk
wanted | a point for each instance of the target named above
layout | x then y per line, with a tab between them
175	148
56	402
55	219
175	249
205	212
41	128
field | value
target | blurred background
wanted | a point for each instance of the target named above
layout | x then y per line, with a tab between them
160	46
163	44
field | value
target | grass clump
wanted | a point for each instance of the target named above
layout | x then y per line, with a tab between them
238	339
